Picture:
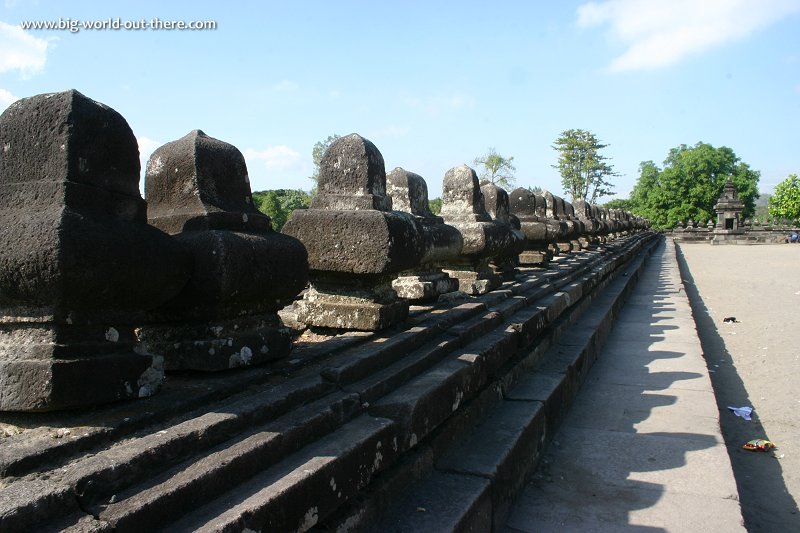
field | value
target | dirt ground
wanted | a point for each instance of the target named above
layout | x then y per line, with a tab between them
755	362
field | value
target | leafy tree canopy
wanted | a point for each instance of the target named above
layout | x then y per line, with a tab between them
496	169
619	203
690	183
435	205
785	203
316	154
278	204
582	167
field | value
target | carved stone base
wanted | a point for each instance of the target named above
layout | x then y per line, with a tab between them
357	310
565	247
218	344
507	270
47	367
475	282
535	257
424	287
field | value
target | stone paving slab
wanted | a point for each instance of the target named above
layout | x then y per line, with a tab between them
640	449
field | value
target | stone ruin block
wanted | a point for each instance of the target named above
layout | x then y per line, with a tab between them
497	205
78	263
585	213
568	232
243	272
356	244
463	208
568	212
606	228
442	243
540	233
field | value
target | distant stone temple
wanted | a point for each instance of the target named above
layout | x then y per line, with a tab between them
731	227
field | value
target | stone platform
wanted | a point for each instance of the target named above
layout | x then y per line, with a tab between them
360	431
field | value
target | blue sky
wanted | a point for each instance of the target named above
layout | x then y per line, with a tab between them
432	84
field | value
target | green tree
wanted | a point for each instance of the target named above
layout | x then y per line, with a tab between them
582	167
785	203
435	205
280	203
316	155
690	183
619	203
496	169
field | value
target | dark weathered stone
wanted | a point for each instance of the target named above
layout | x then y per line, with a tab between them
539	235
352	176
568	210
463	208
78	262
363	244
497	205
569	230
409	193
244	272
585	213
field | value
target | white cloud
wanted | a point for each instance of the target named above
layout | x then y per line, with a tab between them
659	33
284	86
394	132
146	148
21	51
279	157
6	99
436	104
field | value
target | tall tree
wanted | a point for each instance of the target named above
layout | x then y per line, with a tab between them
496	168
582	167
785	203
690	183
316	155
280	203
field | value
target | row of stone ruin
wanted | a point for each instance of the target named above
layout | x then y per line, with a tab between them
765	223
101	292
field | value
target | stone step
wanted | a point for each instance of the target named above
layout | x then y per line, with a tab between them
223	433
203	478
481	457
310	484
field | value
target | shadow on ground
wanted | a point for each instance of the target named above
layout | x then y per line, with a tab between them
604	466
759	477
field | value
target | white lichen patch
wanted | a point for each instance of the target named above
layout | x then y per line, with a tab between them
309	520
155	165
112	335
150	380
241	358
333	484
377	462
457	401
413	440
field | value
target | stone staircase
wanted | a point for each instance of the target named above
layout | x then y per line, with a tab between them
432	425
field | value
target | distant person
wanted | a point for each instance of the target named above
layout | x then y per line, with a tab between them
793	237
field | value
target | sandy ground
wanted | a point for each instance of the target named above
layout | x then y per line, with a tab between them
755	362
